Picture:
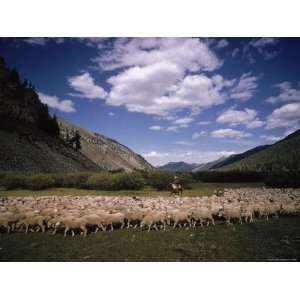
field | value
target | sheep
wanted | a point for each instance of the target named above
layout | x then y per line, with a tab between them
32	220
114	218
178	216
73	223
8	220
153	218
202	213
231	213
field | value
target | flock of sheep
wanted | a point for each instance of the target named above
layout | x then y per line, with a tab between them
87	214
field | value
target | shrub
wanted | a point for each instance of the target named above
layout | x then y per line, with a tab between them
160	180
41	181
125	181
75	180
11	181
229	176
185	179
284	180
114	182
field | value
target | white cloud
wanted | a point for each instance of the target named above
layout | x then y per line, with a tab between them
155	75
197	135
287	93
159	89
229	133
287	116
222	43
186	53
159	158
85	85
55	102
156	128
112	114
245	88
234	117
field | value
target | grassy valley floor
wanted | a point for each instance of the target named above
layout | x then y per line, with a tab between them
273	240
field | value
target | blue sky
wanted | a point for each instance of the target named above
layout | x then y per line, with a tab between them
169	99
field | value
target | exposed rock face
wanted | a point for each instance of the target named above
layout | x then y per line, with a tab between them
103	151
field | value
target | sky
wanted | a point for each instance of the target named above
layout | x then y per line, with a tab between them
168	99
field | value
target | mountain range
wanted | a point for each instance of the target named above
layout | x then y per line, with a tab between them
283	155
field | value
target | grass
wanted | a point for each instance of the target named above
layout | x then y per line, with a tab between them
197	189
263	240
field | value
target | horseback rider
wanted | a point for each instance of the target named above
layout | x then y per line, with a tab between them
176	187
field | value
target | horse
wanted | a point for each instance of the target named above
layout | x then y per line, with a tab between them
176	189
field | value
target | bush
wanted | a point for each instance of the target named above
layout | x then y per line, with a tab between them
229	176
160	180
284	180
41	181
114	182
12	181
75	180
185	179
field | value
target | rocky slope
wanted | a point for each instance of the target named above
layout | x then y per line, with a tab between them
104	152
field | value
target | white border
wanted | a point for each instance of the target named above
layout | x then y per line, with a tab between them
149	18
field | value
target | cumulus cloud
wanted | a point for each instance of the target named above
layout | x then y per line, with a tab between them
245	88
286	93
159	158
229	133
287	116
187	53
86	87
55	102
156	75
235	117
111	114
160	89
